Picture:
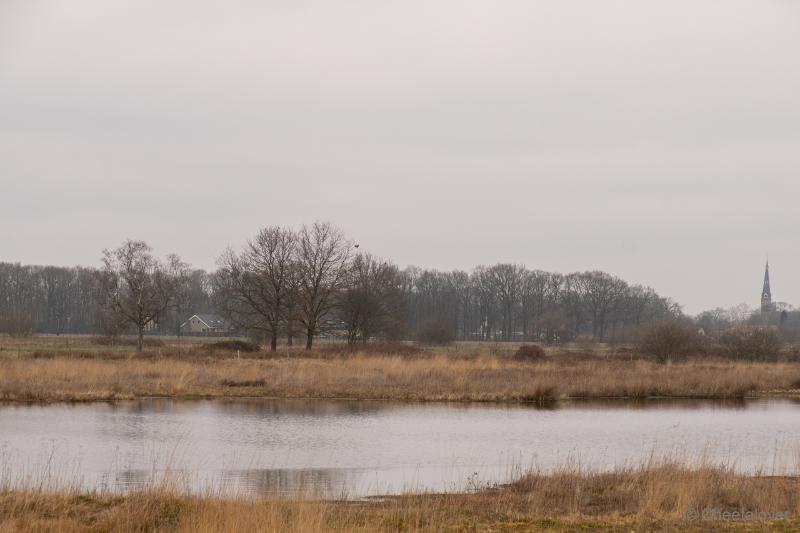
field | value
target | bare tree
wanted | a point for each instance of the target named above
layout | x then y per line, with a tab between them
373	301
532	305
573	301
20	303
505	281
254	287
740	313
292	324
322	255
601	292
136	287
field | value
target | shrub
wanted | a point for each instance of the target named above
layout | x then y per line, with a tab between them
235	346
752	343
435	331
668	339
243	383
530	352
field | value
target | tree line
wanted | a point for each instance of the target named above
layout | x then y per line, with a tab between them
296	284
714	322
56	300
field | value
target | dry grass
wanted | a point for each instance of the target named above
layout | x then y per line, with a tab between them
76	368
652	498
434	378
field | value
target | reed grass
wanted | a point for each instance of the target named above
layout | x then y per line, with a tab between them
76	368
434	378
658	496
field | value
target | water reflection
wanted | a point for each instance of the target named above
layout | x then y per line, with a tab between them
133	478
311	483
268	408
663	403
303	407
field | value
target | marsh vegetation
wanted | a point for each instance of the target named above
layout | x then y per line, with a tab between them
63	369
658	496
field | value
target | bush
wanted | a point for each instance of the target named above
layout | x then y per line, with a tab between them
752	343
530	352
668	339
235	346
435	331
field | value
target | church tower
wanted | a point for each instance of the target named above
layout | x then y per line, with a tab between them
766	294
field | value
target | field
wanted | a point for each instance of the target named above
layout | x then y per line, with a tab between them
657	497
78	369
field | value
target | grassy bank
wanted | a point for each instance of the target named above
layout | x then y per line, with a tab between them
653	498
80	368
434	378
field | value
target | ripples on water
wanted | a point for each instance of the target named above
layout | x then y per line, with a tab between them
352	449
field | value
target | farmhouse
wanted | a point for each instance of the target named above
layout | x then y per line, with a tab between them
204	324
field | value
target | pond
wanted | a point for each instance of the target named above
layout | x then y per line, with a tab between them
354	449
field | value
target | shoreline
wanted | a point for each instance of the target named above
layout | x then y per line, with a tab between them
660	496
775	395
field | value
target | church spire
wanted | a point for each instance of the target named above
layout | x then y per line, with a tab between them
766	293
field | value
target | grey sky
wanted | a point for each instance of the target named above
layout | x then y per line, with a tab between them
657	140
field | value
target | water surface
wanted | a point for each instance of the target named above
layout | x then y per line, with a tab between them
339	448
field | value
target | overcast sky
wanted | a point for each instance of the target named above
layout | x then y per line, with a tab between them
656	140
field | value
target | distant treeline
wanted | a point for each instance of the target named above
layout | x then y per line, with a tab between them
716	321
512	303
366	298
37	299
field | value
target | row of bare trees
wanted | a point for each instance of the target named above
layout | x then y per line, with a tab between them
46	299
509	302
296	284
784	317
287	283
133	290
